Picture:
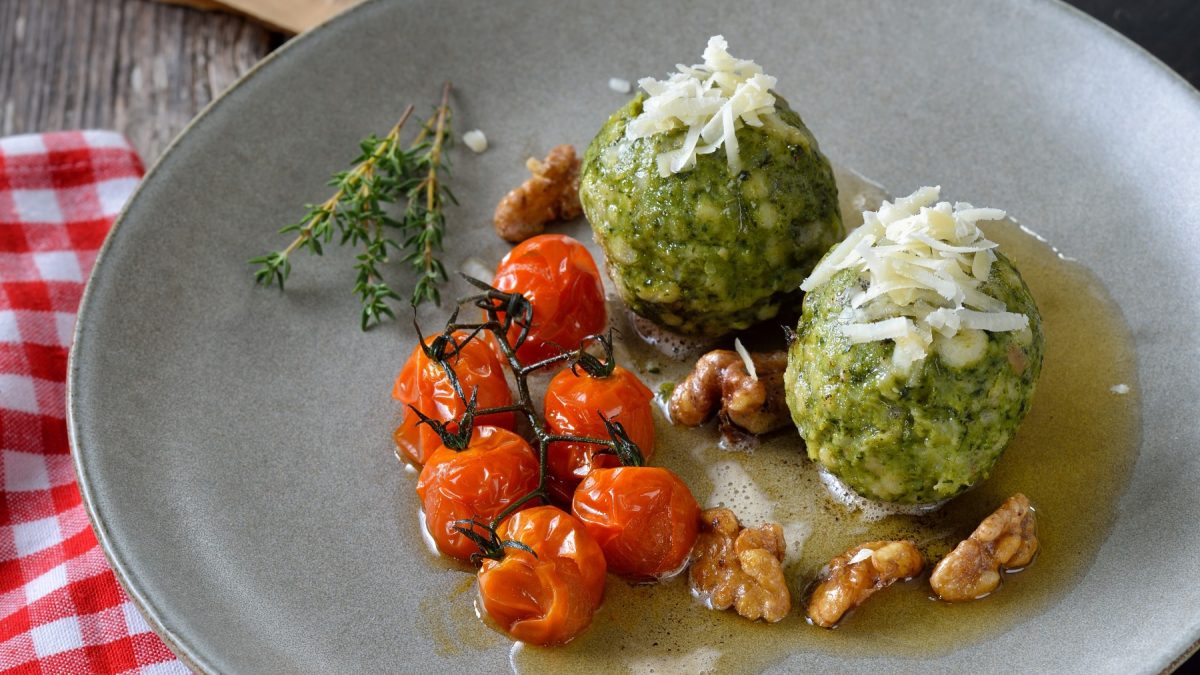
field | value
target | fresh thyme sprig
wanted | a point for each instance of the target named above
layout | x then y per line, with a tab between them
385	172
424	216
503	311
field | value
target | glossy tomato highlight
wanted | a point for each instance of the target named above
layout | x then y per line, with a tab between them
496	469
423	384
644	518
559	278
551	598
573	405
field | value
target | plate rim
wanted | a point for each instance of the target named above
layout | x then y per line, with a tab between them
147	607
149	610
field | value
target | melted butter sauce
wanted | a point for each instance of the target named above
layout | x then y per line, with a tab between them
1072	457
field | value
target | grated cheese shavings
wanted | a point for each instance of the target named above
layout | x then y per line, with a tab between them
475	140
861	556
741	350
619	85
924	262
711	100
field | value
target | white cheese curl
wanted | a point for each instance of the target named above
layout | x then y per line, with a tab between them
712	100
924	262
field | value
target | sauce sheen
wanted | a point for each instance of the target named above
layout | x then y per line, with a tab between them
1072	456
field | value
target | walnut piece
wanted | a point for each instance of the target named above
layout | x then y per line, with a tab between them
740	568
551	193
720	377
852	577
1007	539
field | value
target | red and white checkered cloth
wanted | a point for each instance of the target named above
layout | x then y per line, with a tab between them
61	610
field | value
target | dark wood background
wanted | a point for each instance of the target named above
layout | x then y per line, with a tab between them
145	68
136	66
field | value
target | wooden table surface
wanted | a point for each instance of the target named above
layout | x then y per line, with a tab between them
145	68
136	66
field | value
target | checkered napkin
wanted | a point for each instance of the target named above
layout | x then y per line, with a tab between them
61	610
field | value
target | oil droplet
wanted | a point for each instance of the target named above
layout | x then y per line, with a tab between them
700	661
872	511
736	490
795	533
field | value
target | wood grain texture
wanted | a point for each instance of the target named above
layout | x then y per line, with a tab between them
292	16
146	68
137	66
207	5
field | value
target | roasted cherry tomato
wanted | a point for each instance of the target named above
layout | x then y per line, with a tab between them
559	278
497	468
423	384
550	598
644	518
573	406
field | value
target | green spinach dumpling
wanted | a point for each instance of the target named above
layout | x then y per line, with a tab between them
703	241
916	355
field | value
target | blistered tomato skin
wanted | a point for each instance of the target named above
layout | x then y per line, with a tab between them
573	405
644	518
560	279
423	384
551	598
497	468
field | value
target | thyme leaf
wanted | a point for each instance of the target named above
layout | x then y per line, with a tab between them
358	214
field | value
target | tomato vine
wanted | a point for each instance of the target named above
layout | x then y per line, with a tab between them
502	312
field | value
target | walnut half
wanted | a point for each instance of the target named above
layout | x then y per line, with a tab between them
1006	539
551	193
720	378
740	568
852	577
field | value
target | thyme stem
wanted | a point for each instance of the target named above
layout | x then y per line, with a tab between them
324	213
431	193
384	173
431	190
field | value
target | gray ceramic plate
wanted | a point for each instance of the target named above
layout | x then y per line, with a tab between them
232	443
